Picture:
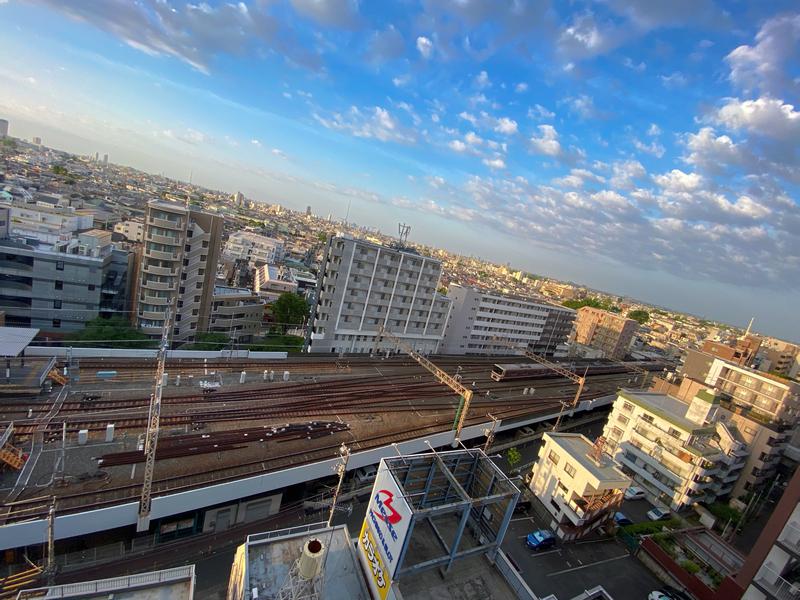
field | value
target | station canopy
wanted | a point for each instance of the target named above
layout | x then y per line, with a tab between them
13	340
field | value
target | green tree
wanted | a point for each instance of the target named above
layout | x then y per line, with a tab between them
592	302
289	309
114	332
513	457
212	341
278	343
322	236
59	170
442	290
640	316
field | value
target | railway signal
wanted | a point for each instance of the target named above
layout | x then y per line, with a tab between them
580	380
439	374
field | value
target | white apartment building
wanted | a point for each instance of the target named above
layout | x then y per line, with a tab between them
237	312
767	395
577	483
45	223
178	268
676	451
363	286
270	281
132	230
479	317
258	249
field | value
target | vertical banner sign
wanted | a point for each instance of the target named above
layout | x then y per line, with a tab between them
377	575
388	517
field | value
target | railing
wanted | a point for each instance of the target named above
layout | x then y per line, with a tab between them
513	578
76	590
298	529
51	364
790	536
777	586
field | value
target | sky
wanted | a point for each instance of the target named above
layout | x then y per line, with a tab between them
643	147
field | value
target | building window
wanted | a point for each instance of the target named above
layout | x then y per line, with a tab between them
569	470
553	457
648	418
56	303
59	285
674	433
91	287
623	419
205	243
59	265
56	323
627	407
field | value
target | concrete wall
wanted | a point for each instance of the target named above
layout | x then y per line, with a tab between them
147	353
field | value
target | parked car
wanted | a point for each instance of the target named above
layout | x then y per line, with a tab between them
366	475
658	595
668	593
621	520
658	514
634	493
526	431
543	539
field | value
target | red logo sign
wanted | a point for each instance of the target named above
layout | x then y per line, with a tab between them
389	515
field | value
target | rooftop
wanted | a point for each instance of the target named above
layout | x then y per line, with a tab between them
578	447
663	405
221	290
14	340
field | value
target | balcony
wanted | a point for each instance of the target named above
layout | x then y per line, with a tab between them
647	475
790	537
578	511
177	225
152	316
157	254
776	586
163	239
158	285
155	300
153	270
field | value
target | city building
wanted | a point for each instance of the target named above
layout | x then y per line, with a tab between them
3	128
171	584
770	569
270	281
40	221
258	249
577	483
58	287
37	141
363	286
132	230
679	452
483	322
178	269
606	331
741	352
237	312
563	291
779	357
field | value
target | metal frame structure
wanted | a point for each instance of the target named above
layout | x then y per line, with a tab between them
439	374
464	484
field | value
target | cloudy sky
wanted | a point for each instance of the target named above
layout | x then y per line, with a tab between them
647	147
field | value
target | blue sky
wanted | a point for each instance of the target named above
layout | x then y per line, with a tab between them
645	147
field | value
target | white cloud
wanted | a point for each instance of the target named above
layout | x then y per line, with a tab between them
610	199
583	106
712	153
401	80
330	13
583	38
654	130
375	122
457	145
624	172
769	117
468	117
677	181
638	67
473	139
673	80
764	66
494	163
506	126
539	111
521	87
654	148
577	178
256	143
279	153
547	143
425	47
482	80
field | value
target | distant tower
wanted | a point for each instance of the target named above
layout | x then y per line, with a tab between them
37	141
96	157
3	128
308	211
403	230
105	160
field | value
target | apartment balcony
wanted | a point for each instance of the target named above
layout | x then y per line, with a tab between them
157	254
176	225
771	582
645	474
153	316
679	470
159	285
163	239
790	537
577	510
155	300
153	270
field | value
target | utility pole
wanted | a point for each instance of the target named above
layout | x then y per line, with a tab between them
153	424
439	374
51	541
490	433
341	469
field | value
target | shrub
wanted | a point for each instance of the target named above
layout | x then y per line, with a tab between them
690	566
651	527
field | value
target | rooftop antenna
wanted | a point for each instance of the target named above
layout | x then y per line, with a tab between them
749	326
403	230
189	189
347	214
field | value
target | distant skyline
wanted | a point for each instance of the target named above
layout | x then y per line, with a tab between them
647	148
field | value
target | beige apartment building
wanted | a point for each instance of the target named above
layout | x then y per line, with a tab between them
178	269
577	483
237	312
605	331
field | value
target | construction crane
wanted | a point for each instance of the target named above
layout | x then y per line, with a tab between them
439	374
564	372
153	423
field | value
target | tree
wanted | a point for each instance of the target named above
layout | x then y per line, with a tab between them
114	332
640	316
59	170
592	302
278	343
289	309
442	290
513	457
322	236
212	341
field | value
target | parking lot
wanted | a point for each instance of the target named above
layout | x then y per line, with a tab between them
573	567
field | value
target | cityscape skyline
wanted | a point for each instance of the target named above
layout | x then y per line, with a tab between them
690	205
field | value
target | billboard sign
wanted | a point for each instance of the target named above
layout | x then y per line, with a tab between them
388	517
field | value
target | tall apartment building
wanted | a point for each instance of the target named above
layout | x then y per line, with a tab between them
480	316
677	451
606	331
178	268
132	230
59	287
777	356
362	285
770	571
742	351
577	483
253	247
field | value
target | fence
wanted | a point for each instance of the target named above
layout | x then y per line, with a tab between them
513	578
107	586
